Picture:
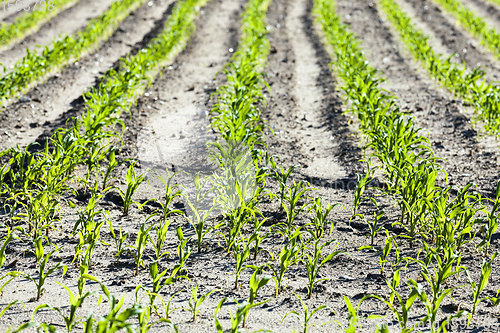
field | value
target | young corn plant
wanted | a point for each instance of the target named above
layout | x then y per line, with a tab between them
363	181
257	237
314	261
307	314
477	288
256	282
114	320
281	175
133	183
158	282
373	225
183	251
320	218
119	239
288	256
199	223
241	313
76	301
161	236
195	302
399	306
44	270
292	206
441	268
171	192
140	246
353	315
491	225
241	252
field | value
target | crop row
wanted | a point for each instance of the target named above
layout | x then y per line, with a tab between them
476	25
37	65
469	85
32	20
441	222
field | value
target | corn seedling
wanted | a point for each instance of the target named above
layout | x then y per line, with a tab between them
363	181
112	164
240	315
281	176
441	270
491	225
195	302
291	204
119	239
241	252
71	320
320	219
257	237
140	246
11	234
114	320
306	315
396	300
353	314
44	271
314	261
158	282
373	225
161	236
183	251
170	194
477	288
256	282
133	183
288	256
198	218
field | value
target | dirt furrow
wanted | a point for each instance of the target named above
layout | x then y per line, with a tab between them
68	21
454	38
174	134
49	105
9	13
452	136
304	108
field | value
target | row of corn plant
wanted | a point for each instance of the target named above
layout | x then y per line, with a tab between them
488	36
469	85
38	64
37	14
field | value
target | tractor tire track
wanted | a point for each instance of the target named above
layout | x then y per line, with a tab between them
305	111
454	38
60	97
451	134
66	22
171	119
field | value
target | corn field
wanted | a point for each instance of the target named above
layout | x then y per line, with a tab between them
249	166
